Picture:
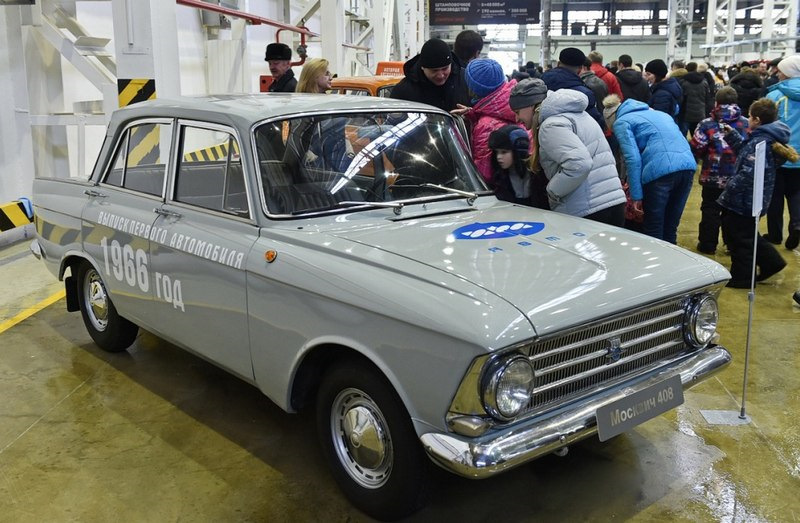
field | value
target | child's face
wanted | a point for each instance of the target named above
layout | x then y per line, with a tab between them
505	158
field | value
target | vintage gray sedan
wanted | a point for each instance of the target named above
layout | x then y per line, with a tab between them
344	253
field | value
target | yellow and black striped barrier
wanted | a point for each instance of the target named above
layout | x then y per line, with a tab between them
12	215
215	153
144	141
134	90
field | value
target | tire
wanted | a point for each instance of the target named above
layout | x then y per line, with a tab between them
382	469
110	331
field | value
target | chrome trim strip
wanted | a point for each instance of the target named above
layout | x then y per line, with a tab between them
596	354
499	451
598	370
601	337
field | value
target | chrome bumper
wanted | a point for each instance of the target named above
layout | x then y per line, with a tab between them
496	452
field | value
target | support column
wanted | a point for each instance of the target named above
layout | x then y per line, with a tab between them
146	43
16	151
332	35
45	87
679	43
544	19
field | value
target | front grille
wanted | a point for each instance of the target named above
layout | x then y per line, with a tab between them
570	364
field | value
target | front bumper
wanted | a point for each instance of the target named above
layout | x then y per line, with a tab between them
497	452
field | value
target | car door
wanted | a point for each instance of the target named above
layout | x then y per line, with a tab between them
118	219
199	264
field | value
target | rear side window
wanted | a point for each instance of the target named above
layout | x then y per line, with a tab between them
209	173
139	162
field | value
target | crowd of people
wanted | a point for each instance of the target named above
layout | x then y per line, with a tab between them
620	142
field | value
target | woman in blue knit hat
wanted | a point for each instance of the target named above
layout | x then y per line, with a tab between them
490	110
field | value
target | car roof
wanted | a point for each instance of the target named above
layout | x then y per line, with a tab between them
245	109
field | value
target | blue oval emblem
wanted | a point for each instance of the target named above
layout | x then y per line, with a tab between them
496	230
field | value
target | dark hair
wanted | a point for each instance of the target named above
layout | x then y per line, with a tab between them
501	139
625	60
677	64
587	63
691	66
640	66
765	110
468	43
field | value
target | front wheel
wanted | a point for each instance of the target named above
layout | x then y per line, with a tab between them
370	443
110	331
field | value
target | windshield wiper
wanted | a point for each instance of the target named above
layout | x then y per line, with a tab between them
470	196
397	207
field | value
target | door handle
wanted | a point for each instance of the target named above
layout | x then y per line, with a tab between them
96	194
165	212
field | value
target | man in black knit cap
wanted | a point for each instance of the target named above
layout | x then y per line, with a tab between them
435	76
565	76
279	57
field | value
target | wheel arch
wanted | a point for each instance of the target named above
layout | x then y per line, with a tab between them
71	261
317	360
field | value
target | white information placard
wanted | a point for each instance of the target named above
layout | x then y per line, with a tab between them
758	178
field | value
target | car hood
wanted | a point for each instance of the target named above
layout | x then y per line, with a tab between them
558	270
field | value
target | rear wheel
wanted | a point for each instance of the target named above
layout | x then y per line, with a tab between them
110	331
370	443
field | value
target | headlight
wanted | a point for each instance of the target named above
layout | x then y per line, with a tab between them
701	320
507	387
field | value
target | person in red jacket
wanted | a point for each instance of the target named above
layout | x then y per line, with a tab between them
602	73
490	111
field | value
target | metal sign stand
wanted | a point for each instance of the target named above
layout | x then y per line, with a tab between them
722	417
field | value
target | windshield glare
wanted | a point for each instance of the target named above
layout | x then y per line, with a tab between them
314	163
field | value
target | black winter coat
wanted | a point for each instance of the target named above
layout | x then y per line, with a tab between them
633	85
697	98
287	83
416	87
666	96
598	87
560	78
750	87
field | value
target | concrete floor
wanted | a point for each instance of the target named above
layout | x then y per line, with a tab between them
156	434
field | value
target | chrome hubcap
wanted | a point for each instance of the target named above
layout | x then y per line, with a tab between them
97	299
361	438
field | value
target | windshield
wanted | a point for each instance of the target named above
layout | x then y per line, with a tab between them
315	163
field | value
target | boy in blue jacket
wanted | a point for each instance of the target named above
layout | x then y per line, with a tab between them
738	224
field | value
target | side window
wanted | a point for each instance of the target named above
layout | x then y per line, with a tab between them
118	167
210	171
139	164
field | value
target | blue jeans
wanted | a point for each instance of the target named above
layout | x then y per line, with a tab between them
663	203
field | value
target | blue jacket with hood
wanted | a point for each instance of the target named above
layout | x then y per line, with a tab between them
651	144
787	95
666	97
738	193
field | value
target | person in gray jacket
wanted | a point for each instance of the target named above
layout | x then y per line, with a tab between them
577	160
